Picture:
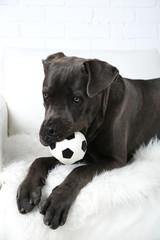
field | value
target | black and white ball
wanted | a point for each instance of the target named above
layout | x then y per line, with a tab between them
71	149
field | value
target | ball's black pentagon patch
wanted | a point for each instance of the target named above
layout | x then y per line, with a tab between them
53	145
67	153
71	137
84	146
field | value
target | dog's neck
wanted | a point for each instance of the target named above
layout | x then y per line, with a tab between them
117	89
114	94
98	121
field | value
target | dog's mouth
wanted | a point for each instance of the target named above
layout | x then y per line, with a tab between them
51	141
83	131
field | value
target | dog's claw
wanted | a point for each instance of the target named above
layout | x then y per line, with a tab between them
22	210
47	223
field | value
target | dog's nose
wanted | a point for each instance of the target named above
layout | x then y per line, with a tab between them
51	130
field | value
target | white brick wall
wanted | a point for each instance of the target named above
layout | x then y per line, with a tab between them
114	15
64	24
80	24
134	3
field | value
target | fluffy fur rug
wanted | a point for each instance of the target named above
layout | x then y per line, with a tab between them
119	204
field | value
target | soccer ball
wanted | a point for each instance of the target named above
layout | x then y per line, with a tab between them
71	149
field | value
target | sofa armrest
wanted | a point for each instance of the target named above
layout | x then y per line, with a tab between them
3	128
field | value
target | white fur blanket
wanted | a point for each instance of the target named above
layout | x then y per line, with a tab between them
119	204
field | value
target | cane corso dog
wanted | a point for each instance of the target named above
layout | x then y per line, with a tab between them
115	114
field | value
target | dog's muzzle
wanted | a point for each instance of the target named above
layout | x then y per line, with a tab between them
54	131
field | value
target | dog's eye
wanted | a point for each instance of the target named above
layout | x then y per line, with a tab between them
46	97
76	99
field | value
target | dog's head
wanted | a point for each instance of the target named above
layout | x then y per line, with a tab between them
72	93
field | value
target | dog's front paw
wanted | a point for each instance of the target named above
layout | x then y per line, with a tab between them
56	207
28	195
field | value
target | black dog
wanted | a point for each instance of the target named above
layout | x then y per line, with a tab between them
116	115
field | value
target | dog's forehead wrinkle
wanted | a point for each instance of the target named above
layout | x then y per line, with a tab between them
57	76
66	81
68	64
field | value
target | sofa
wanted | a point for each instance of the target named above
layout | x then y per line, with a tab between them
118	204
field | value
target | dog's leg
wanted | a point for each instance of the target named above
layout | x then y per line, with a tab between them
56	207
29	192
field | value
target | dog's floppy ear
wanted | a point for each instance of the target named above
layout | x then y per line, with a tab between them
100	76
51	58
